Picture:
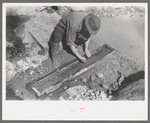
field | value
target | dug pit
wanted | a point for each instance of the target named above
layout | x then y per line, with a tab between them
114	77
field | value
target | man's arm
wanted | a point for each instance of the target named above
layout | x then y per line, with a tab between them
74	50
87	44
87	52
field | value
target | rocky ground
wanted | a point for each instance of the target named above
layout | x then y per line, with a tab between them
121	28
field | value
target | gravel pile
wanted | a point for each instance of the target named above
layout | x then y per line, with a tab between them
82	93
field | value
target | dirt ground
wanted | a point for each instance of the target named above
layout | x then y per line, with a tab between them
123	33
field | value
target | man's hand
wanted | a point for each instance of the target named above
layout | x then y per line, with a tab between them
74	50
83	59
87	53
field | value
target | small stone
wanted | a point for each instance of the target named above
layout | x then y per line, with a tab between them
106	85
115	86
109	92
112	15
92	77
47	98
90	91
31	72
79	96
100	75
84	80
93	94
61	98
98	88
109	97
141	15
40	52
99	81
97	93
104	96
80	99
33	61
38	69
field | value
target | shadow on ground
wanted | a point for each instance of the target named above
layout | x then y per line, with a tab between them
14	21
132	88
10	95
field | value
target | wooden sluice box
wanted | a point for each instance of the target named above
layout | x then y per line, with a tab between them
52	81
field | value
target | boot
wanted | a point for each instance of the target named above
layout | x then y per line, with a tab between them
54	54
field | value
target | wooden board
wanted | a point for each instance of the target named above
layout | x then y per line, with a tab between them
53	81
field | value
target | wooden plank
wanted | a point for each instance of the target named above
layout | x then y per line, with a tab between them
52	81
66	85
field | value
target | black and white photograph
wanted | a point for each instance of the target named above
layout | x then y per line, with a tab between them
88	53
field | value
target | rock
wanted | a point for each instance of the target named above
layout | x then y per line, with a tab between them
31	72
130	14
78	96
97	93
103	96
109	92
114	86
99	81
65	95
47	98
76	90
90	91
10	71
141	15
95	85
99	75
106	85
22	65
70	98
92	77
92	94
112	15
84	80
61	98
38	69
109	97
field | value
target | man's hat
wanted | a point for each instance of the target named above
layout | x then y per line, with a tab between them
92	23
